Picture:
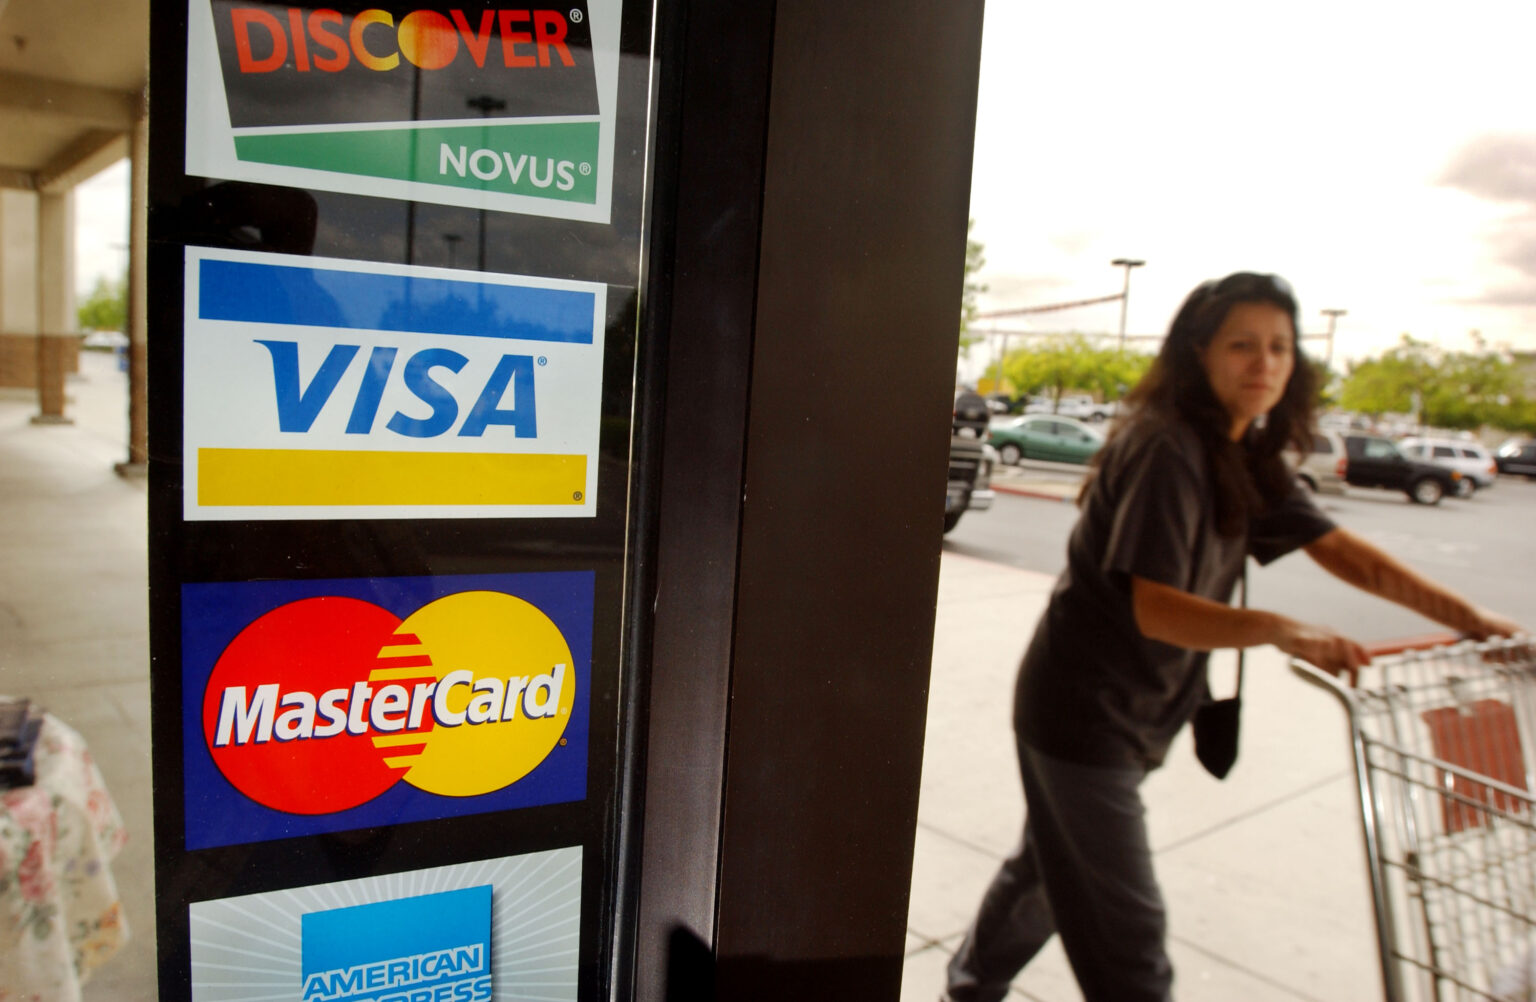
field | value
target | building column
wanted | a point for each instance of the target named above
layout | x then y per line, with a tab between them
138	298
56	303
18	290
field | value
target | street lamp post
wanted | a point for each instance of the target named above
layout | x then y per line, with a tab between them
485	104
1125	295
1333	317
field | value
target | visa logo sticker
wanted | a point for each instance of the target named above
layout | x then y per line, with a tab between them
509	108
331	705
318	388
505	927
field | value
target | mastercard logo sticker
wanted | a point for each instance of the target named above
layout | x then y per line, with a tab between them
335	708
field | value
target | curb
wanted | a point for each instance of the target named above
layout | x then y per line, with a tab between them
1027	492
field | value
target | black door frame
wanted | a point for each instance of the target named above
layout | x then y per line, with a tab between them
812	191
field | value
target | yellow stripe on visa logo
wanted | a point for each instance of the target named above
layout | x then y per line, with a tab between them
318	388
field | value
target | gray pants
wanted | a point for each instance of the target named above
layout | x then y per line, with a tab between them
1083	870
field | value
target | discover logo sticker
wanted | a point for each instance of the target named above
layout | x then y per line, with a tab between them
509	108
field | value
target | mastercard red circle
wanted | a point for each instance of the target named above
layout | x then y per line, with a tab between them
314	646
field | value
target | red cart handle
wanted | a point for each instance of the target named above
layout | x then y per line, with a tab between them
1405	644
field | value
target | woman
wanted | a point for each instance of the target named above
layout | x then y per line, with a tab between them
1190	484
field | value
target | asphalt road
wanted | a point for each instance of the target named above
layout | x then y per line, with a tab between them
1484	548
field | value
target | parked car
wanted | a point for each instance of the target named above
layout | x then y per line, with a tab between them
1517	456
1372	461
1478	471
970	460
1322	470
970	416
1042	436
104	341
1085	408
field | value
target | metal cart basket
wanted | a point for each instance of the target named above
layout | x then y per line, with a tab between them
1443	747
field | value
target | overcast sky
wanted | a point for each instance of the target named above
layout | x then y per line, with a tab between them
101	227
1382	157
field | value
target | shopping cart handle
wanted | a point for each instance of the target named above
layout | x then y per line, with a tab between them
1419	643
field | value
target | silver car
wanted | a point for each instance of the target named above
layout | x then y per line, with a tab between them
1474	462
1322	470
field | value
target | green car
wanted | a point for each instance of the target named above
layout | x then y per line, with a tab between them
1044	436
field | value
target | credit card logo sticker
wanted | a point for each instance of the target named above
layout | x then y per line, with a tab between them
326	389
413	936
499	108
433	946
320	706
324	703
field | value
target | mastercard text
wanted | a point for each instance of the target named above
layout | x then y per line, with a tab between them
268	713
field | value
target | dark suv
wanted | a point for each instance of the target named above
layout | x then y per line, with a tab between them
1377	462
970	459
1517	456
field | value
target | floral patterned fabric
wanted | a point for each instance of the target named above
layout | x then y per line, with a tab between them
60	916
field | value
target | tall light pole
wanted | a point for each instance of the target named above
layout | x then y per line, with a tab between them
1125	295
484	104
1333	318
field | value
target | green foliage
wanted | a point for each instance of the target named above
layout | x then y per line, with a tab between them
106	308
1461	389
1328	384
1518	415
975	259
1055	364
1386	385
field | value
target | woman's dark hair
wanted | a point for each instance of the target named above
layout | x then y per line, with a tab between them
1251	473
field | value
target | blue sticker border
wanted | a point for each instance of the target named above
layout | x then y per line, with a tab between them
256	292
213	614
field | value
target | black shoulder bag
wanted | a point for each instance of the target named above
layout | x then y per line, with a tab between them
1216	720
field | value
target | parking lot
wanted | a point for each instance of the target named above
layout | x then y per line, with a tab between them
1483	547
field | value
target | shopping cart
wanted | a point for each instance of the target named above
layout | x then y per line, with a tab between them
1443	741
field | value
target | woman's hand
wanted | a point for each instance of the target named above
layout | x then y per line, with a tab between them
1332	652
1486	624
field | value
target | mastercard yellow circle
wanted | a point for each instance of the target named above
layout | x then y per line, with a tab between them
505	686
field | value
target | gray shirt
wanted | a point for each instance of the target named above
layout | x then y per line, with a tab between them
1092	689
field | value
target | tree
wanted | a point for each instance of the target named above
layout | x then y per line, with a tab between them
975	259
1073	362
1472	390
1327	384
106	308
1518	414
1117	371
1462	389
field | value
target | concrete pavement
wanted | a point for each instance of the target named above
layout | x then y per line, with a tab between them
74	618
1263	873
1040	480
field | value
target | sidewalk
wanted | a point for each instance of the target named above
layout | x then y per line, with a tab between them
74	631
1040	480
1263	873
